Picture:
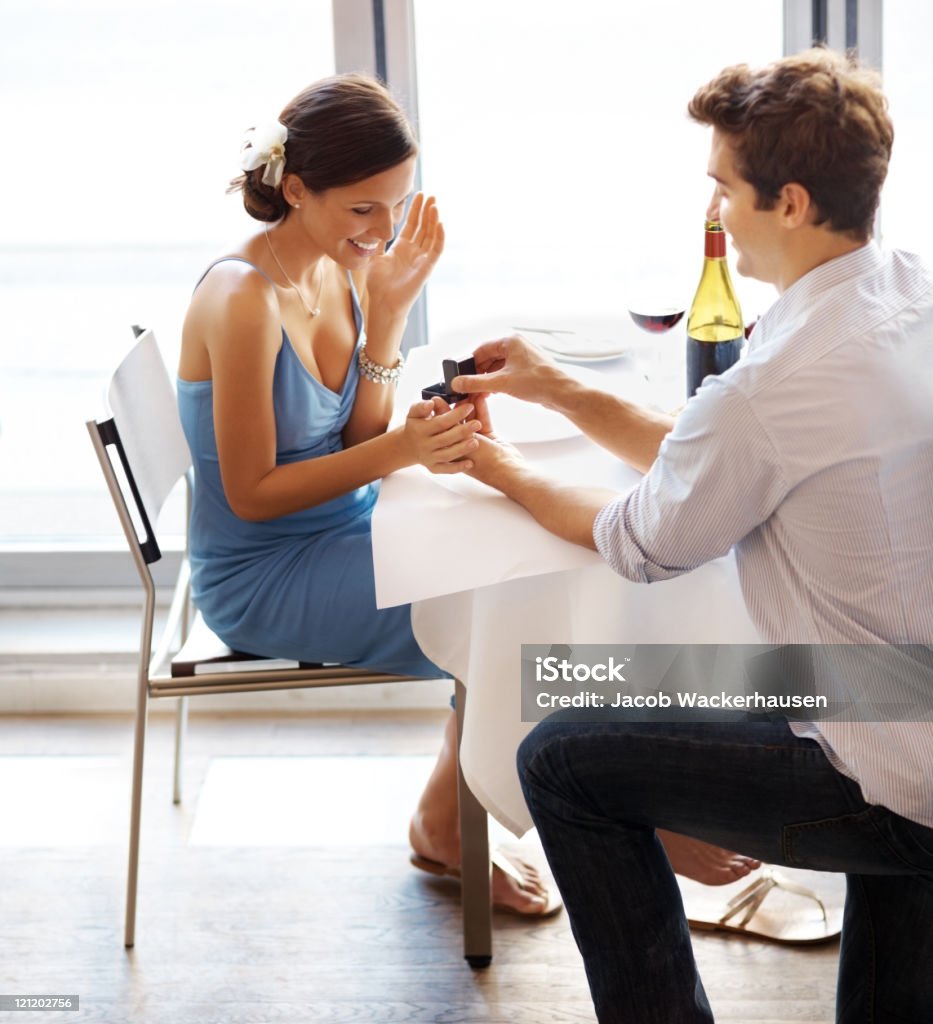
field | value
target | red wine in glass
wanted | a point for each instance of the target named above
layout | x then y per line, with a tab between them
660	320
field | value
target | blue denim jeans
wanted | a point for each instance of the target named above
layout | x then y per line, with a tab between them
598	790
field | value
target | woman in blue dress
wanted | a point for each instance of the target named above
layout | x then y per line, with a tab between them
289	360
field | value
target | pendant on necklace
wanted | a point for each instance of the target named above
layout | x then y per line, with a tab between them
314	312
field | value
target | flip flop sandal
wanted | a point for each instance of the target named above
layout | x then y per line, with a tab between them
744	914
553	905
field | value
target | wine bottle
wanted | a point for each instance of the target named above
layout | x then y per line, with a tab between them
714	327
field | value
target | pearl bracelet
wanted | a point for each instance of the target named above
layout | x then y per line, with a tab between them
375	372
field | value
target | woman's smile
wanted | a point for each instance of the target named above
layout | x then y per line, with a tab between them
364	248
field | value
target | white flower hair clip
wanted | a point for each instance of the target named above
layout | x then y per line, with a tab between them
265	145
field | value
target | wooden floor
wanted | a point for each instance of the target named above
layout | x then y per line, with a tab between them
258	934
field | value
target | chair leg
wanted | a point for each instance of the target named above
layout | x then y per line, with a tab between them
139	752
181	728
475	866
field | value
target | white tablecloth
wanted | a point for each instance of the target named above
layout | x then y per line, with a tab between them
485	579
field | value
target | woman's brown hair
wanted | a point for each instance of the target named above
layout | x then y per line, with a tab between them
340	130
817	118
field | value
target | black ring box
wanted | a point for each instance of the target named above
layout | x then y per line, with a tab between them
452	368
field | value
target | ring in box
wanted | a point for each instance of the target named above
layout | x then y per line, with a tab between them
452	368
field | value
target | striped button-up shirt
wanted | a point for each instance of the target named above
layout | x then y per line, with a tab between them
813	458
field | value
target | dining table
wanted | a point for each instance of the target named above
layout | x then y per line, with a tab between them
484	578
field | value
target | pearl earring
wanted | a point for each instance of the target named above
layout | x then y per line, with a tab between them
297	206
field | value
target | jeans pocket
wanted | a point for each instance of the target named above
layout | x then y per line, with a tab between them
849	842
912	842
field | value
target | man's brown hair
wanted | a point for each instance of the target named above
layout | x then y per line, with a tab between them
817	118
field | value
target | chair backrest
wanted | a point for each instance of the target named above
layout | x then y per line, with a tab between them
146	432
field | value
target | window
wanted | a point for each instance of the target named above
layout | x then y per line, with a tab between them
906	213
123	121
556	140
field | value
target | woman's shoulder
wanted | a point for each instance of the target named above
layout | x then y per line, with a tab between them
233	299
235	271
235	284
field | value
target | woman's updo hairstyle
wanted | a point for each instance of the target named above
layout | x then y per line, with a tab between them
340	130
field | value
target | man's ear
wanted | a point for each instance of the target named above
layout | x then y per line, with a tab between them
795	205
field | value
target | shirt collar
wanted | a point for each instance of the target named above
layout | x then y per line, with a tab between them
799	299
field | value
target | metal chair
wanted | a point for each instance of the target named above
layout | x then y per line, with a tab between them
150	455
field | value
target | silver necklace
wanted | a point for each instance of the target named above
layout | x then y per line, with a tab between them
313	309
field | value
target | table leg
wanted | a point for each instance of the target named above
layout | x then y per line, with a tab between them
475	866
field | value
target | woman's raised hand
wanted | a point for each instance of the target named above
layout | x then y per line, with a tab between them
395	279
440	438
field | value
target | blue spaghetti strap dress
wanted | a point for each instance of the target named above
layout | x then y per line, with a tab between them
299	586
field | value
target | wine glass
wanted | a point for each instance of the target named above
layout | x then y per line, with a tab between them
655	317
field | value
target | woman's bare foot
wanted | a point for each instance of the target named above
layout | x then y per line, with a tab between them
516	884
711	865
434	834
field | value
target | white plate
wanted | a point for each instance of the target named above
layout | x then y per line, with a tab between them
578	346
566	357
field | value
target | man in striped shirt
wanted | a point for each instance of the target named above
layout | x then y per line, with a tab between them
812	458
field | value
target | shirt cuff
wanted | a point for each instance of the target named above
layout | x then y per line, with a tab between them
606	533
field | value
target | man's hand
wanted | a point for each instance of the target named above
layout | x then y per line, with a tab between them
494	462
512	366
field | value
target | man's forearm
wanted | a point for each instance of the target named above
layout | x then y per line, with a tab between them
569	512
627	430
